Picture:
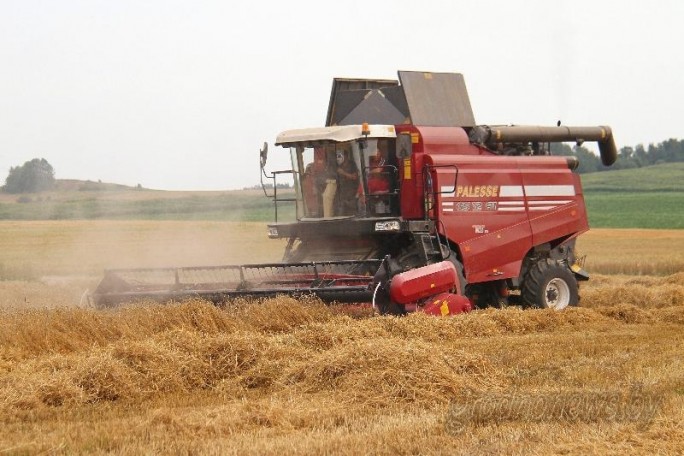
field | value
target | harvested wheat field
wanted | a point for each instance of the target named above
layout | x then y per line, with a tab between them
283	376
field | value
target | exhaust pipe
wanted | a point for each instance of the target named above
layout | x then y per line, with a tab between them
603	135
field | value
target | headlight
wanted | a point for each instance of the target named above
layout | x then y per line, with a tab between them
389	225
272	231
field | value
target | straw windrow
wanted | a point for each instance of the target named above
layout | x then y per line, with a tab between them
282	375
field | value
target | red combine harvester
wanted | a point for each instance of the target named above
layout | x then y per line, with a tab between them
403	201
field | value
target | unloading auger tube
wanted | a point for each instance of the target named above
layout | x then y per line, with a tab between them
493	135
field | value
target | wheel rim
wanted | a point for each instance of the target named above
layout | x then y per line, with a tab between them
557	294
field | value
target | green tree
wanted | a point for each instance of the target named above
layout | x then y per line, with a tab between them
33	176
627	159
673	150
668	151
588	161
640	155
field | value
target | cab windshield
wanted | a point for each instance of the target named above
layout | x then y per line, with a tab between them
346	179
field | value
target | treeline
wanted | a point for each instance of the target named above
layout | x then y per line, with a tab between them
268	186
36	175
668	151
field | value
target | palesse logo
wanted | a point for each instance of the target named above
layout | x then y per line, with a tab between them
506	198
477	191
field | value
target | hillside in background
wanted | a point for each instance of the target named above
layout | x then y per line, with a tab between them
71	185
667	177
648	197
73	200
670	151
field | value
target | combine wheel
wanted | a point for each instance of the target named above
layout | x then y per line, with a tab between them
410	259
550	284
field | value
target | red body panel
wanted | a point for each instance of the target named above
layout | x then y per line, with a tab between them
496	208
445	304
426	140
419	283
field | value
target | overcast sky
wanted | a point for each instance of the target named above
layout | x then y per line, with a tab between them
181	95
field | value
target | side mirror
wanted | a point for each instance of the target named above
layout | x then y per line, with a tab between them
263	155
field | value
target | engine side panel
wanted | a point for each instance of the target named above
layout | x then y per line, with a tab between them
497	208
555	203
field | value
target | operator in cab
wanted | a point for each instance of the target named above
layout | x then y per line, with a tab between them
347	183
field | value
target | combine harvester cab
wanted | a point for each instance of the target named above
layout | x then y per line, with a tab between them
403	201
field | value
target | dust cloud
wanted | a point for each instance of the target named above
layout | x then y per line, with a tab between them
61	260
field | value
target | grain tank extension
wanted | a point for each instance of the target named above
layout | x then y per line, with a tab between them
404	201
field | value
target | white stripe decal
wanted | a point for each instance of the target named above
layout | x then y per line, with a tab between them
448	191
512	209
542	208
511	190
550	190
511	203
556	202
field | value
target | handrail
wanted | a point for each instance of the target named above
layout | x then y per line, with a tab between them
274	196
429	192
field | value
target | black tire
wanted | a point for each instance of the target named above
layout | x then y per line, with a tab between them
410	260
484	295
459	272
550	285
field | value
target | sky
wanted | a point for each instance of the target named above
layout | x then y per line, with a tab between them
180	95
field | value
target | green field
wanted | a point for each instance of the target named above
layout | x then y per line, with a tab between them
126	203
232	206
635	210
666	177
650	197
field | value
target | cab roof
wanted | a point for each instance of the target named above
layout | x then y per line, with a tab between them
339	133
